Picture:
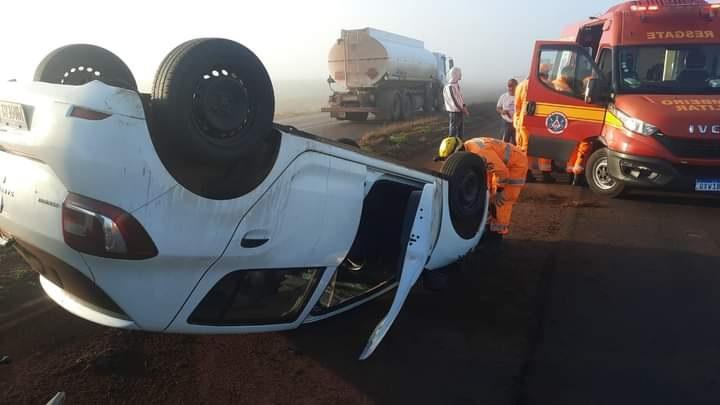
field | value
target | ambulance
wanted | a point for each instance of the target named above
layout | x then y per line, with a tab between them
632	98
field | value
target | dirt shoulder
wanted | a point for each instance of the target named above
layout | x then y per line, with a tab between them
406	141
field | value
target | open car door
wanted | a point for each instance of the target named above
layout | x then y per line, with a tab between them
558	117
417	243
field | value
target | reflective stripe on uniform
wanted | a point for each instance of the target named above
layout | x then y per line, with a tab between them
516	182
508	153
477	142
501	182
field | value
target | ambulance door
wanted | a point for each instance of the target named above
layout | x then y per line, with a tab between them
558	117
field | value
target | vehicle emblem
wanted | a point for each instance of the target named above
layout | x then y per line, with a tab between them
556	123
704	129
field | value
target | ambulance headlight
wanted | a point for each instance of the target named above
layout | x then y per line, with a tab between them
633	124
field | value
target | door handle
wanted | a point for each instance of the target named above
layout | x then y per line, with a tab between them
531	106
254	239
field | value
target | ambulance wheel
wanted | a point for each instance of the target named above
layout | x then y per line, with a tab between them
465	173
598	176
79	64
211	120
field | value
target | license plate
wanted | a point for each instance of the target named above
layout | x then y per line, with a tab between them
12	115
712	185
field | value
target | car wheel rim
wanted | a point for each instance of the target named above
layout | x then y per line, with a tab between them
79	75
601	175
469	189
221	104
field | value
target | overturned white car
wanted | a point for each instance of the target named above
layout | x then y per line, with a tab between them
188	211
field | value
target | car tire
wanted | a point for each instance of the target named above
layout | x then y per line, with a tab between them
212	110
467	193
79	64
213	100
598	177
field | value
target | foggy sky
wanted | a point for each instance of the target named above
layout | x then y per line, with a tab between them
491	41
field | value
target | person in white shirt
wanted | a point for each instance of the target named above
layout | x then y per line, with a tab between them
455	104
506	109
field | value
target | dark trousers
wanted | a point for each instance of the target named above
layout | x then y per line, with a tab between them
508	133
457	125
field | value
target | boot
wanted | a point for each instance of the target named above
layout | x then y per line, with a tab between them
578	180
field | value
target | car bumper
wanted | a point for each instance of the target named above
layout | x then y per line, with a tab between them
641	171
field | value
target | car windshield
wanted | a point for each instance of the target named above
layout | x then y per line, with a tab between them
669	69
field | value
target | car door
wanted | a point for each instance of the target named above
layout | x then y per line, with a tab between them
558	117
417	241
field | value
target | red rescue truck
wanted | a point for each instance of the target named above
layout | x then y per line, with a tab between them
632	98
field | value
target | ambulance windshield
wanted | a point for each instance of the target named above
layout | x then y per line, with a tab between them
671	69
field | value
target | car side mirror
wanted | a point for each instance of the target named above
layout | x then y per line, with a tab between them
597	91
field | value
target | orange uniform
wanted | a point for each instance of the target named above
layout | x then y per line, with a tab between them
521	132
507	166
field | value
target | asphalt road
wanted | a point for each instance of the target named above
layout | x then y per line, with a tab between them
632	308
321	124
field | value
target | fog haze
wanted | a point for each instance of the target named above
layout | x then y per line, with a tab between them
490	41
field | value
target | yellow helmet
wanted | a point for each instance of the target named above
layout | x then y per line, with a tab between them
448	146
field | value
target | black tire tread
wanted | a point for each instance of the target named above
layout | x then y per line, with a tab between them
614	193
464	226
73	51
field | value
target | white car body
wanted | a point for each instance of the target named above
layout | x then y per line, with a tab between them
304	215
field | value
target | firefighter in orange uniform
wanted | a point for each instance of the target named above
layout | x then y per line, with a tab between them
521	132
507	166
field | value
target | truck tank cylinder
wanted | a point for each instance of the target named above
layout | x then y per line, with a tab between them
365	58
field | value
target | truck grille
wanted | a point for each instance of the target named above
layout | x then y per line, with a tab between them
692	148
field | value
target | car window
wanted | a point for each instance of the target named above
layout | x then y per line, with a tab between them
565	70
605	63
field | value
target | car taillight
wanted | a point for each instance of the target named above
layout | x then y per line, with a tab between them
87	114
100	229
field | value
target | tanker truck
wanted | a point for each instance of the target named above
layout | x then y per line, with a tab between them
388	75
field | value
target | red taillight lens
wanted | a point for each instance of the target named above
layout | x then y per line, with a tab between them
100	229
87	114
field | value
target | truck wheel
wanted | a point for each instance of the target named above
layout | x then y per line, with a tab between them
466	176
428	100
211	123
79	64
408	107
357	116
438	101
397	107
598	176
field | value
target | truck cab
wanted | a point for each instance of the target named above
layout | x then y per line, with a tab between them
636	94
